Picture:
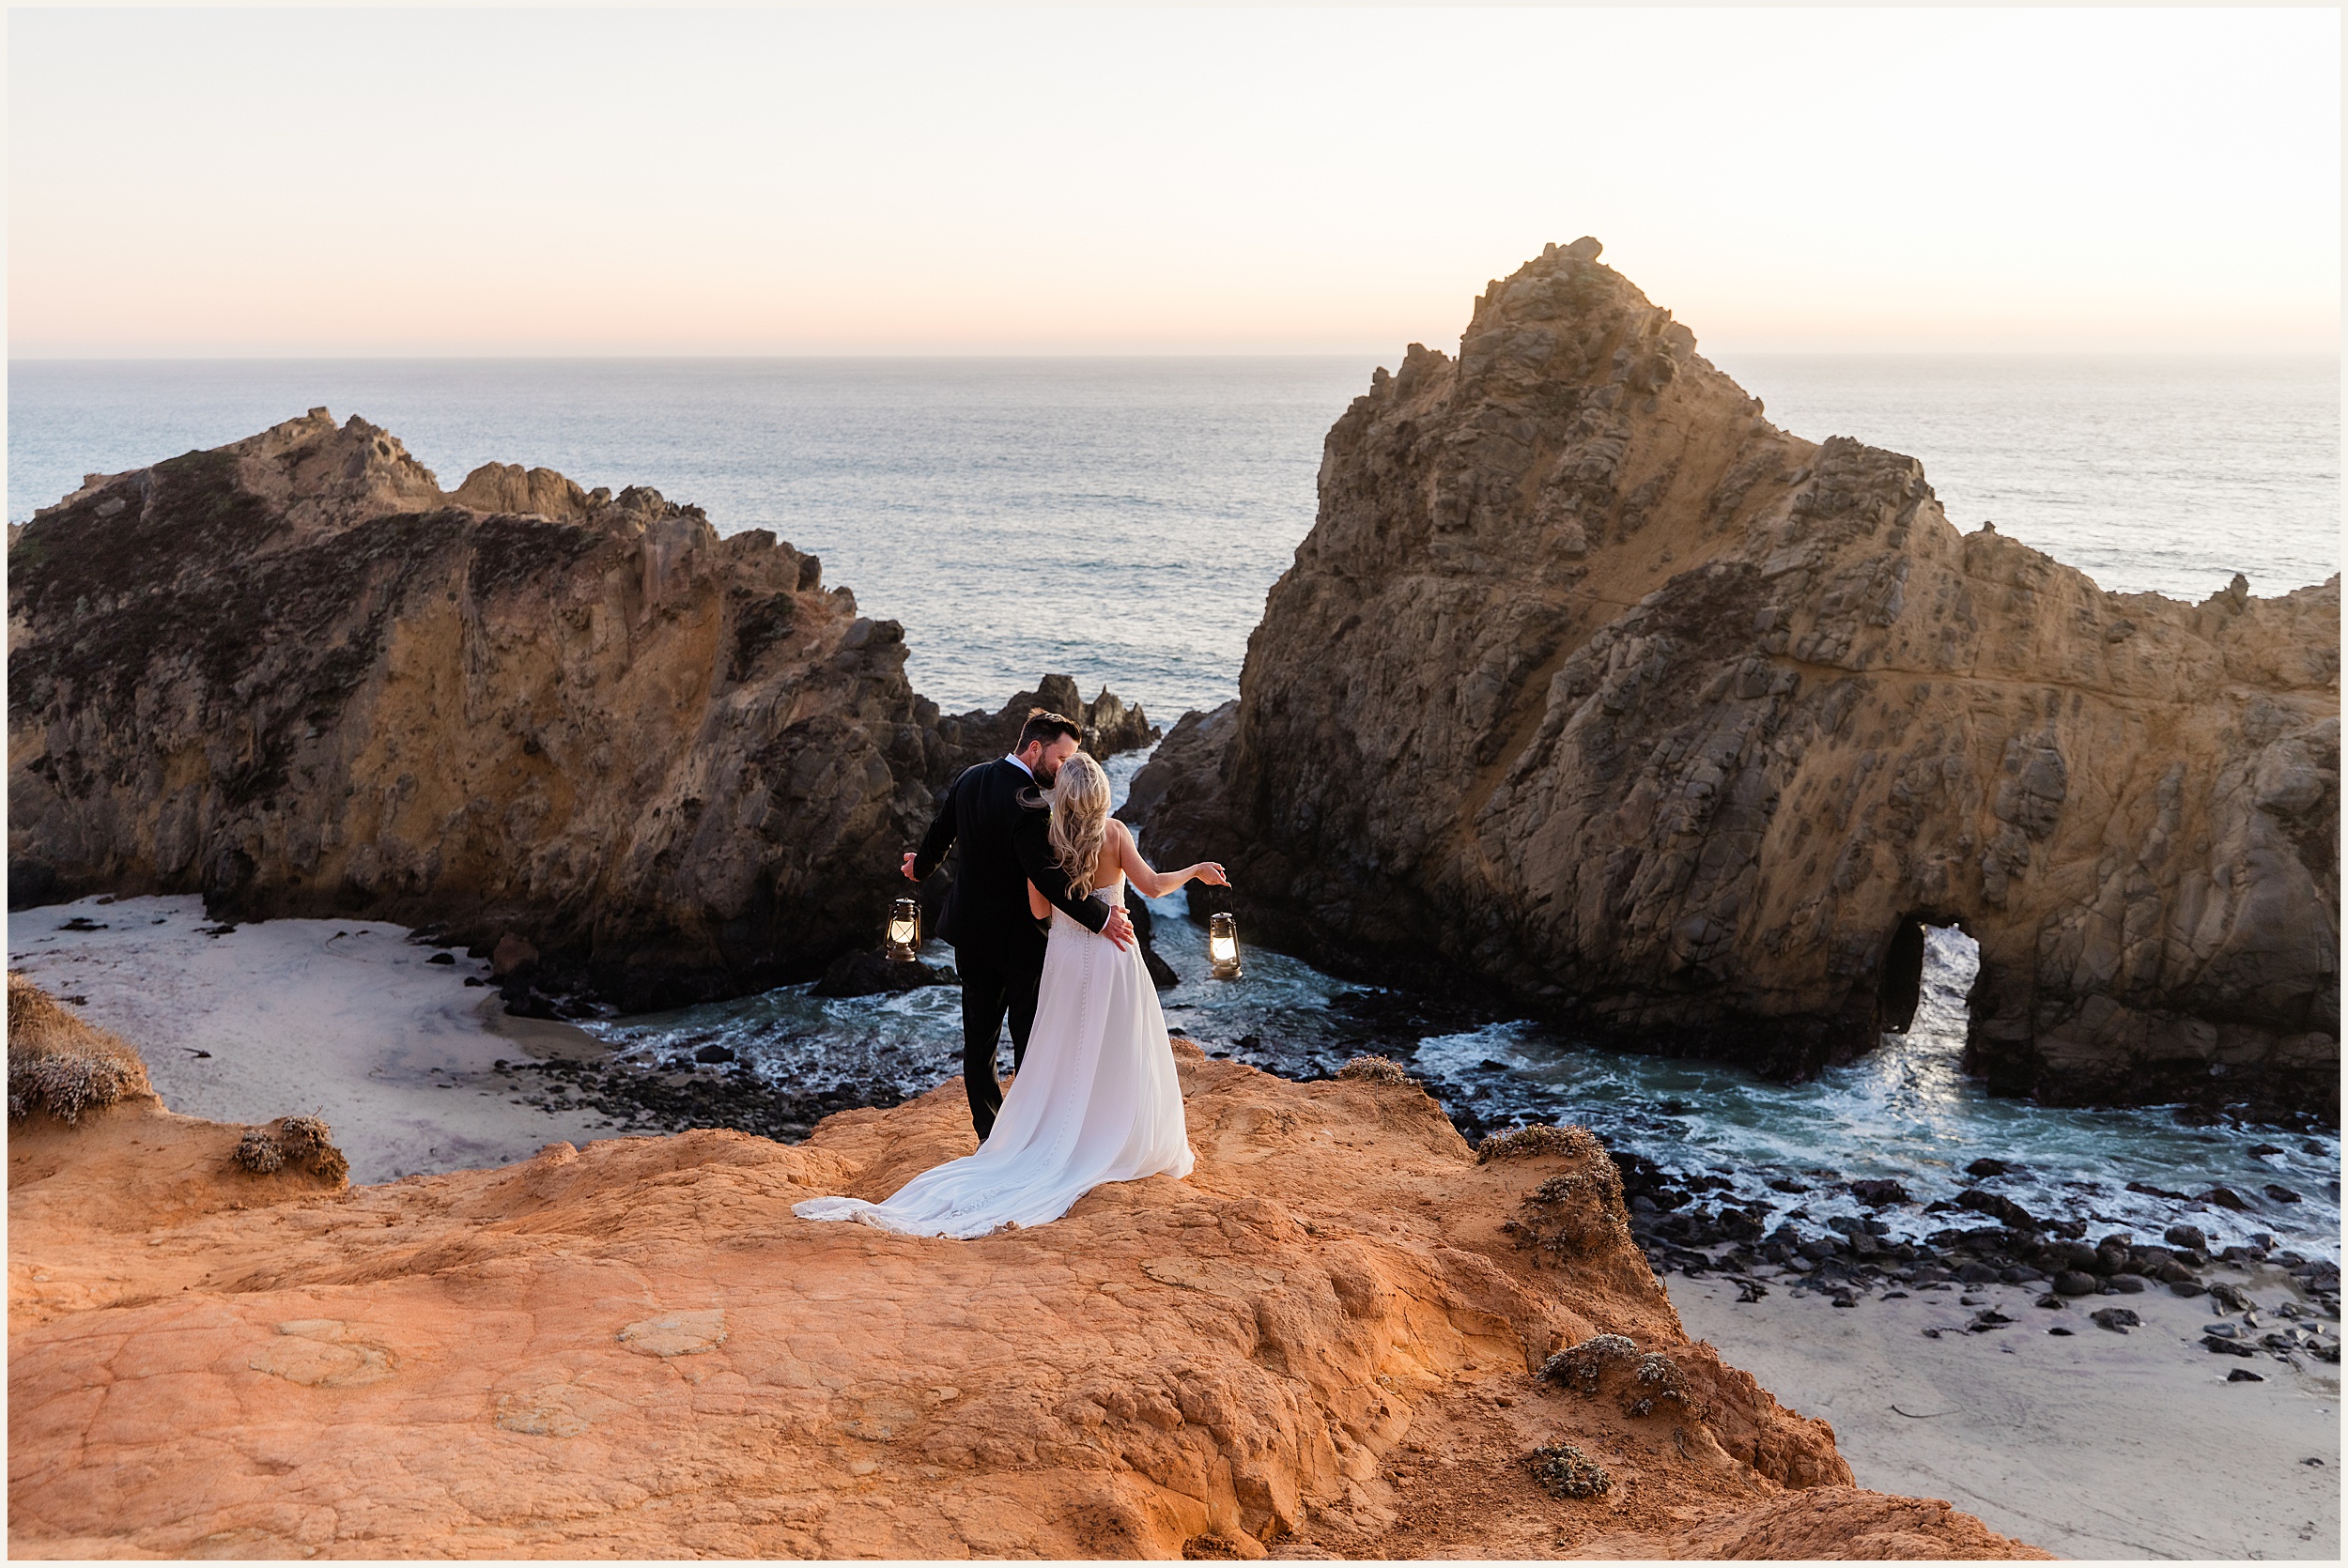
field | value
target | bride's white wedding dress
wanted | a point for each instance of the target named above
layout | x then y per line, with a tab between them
1096	1099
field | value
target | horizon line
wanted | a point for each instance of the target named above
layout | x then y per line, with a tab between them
2333	354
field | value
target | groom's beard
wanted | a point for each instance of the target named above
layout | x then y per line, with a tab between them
1047	774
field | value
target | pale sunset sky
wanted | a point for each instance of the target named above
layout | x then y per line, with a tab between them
290	182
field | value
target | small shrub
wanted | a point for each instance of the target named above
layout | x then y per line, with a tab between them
1374	1070
301	1142
60	1065
303	1136
1658	1381
259	1153
1527	1143
1575	1213
1569	1473
1580	1367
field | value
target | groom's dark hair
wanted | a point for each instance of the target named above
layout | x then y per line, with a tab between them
1046	726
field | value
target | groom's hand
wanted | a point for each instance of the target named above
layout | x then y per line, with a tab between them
910	857
1120	929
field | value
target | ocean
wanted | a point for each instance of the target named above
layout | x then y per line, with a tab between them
1120	521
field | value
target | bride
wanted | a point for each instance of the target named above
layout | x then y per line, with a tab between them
1096	1099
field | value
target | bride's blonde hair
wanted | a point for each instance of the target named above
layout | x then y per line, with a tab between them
1080	821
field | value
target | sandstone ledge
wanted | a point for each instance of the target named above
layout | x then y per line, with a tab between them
1320	1344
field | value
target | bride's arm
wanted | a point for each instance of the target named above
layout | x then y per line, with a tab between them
1038	905
1154	884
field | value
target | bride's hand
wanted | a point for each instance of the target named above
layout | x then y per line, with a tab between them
1210	873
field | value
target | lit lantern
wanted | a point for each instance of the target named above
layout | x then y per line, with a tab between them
1223	946
905	932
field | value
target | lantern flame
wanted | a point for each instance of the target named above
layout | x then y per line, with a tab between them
905	932
1223	947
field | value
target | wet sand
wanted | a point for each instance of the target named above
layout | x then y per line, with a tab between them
2098	1445
346	1019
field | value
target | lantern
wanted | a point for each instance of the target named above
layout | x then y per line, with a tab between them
1223	946
905	932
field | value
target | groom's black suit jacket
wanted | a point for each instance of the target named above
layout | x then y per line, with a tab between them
1005	845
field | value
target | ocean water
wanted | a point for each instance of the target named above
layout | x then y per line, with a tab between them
2167	474
1122	520
1115	520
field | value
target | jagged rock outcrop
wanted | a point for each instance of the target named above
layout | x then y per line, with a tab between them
574	728
1591	686
1110	725
1322	1341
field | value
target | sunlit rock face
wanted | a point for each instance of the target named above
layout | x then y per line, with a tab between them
295	676
1592	687
635	1349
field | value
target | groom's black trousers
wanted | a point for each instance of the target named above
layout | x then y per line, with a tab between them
994	984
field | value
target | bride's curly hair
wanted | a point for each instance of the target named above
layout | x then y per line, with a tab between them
1080	821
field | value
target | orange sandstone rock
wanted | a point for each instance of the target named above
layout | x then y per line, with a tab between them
1323	1342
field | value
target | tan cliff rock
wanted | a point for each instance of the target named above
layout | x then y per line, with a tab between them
1323	1342
1592	687
295	676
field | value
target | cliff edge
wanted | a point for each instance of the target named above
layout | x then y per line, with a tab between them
1592	687
1330	1339
575	729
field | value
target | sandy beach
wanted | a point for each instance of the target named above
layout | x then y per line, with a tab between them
2094	1445
347	1019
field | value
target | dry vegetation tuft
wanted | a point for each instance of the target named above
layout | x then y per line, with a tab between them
59	1065
1526	1142
302	1142
1574	1213
1374	1070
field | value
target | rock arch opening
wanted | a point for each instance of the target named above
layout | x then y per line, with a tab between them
1928	976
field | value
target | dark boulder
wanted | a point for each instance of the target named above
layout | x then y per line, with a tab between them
865	973
1998	1207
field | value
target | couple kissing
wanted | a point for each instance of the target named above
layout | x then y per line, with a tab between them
1094	1097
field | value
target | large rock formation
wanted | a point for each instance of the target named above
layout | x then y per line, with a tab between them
577	729
1591	686
1325	1338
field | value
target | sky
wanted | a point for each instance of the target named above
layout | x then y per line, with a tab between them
344	182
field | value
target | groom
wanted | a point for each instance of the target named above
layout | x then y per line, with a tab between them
997	944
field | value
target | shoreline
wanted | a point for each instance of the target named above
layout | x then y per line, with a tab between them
2092	1445
343	1019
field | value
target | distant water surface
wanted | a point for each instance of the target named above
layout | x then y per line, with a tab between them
2168	474
1122	519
